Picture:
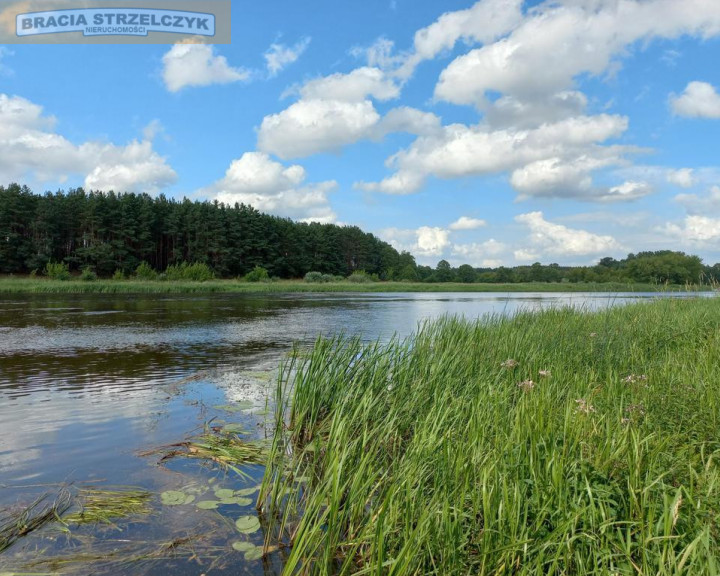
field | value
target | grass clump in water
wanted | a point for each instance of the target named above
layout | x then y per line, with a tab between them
105	505
21	521
552	443
218	444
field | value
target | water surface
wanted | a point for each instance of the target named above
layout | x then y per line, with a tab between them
87	382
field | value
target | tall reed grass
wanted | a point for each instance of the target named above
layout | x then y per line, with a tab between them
551	443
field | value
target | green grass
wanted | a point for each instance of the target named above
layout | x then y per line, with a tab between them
436	455
26	285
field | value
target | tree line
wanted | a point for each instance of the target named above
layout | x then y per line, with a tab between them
110	233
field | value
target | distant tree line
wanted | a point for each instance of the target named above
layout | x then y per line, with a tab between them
114	234
660	267
117	232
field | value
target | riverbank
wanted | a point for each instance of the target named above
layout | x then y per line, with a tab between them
20	285
548	443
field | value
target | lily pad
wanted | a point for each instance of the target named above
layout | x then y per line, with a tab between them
254	554
207	504
224	493
247	524
237	500
247	491
176	498
236	428
243	546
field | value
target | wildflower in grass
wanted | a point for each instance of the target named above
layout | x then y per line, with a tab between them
625	421
544	373
509	363
632	378
526	385
635	409
593	334
584	407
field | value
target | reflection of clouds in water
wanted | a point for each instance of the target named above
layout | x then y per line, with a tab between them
244	387
31	427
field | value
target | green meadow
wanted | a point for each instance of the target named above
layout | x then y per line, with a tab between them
558	442
40	285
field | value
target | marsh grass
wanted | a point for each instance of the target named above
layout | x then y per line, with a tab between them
28	285
23	520
220	445
434	455
107	505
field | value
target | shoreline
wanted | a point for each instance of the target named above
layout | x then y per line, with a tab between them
26	285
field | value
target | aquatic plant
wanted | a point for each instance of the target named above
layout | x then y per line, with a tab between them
21	521
425	456
106	505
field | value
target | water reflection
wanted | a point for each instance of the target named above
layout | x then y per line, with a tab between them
88	381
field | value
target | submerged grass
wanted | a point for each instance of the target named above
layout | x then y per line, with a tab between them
217	444
106	505
23	520
20	285
558	442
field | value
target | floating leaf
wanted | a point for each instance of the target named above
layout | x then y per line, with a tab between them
237	500
176	498
247	491
247	524
207	504
224	493
254	554
236	428
243	546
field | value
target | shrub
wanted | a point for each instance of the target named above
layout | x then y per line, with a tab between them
314	277
145	272
88	274
362	277
119	275
196	272
57	271
257	274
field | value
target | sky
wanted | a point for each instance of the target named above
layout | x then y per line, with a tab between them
499	132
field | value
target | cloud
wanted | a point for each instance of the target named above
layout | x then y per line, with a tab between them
683	177
279	56
335	111
539	153
551	239
467	223
697	230
198	65
425	241
480	254
256	180
699	100
701	205
556	42
312	126
351	87
5	70
31	148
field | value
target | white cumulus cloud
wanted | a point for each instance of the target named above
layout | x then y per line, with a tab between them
31	148
198	65
279	56
467	223
699	100
256	180
548	238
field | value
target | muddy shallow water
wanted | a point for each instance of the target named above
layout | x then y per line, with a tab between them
89	382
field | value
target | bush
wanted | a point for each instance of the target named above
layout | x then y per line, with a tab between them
57	271
119	275
314	277
362	277
88	274
257	274
195	272
145	272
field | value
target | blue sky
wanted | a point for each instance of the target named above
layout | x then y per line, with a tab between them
495	132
